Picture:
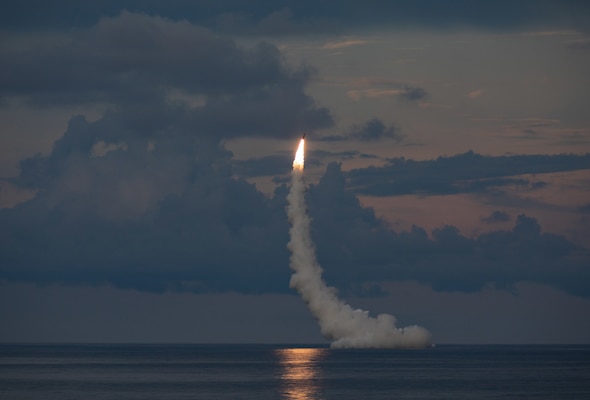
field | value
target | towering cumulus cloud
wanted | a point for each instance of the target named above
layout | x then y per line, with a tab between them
339	322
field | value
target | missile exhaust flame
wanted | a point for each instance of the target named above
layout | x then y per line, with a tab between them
345	326
299	156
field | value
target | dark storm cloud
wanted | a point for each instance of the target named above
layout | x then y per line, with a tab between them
126	54
305	16
265	166
464	173
145	196
168	215
151	214
276	111
355	246
155	70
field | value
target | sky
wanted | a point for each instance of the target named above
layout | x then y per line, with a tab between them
146	149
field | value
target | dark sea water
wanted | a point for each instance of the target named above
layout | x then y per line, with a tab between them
283	372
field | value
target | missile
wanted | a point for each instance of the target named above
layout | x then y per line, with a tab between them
303	137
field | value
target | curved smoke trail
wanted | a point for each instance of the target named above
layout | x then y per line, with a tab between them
345	326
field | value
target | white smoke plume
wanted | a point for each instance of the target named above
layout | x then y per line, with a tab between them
345	326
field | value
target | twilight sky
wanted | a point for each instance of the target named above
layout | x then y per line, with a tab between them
145	150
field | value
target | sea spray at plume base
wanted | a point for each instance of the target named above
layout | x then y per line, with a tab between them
345	326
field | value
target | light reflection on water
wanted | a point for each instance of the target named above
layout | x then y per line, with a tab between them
301	377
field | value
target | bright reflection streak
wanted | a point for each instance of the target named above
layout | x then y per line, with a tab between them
299	156
301	375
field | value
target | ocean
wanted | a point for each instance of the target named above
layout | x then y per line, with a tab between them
166	372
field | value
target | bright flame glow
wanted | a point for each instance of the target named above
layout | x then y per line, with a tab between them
299	156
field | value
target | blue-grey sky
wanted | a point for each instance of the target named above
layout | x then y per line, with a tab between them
146	149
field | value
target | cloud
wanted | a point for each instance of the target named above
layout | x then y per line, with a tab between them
530	133
278	22
265	166
375	129
403	92
361	248
138	65
170	217
412	93
496	216
164	217
372	130
131	55
579	44
286	17
463	173
475	94
145	196
339	154
580	137
281	164
344	44
332	138
365	155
